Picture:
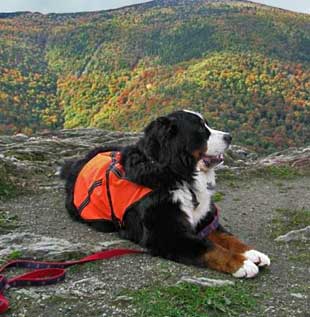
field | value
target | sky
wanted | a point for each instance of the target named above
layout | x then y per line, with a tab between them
47	6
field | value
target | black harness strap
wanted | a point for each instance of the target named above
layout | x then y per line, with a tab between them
118	173
86	201
115	220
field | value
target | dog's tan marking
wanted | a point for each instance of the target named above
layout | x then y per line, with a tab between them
201	166
222	260
197	153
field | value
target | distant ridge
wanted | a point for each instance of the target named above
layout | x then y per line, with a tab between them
145	5
9	15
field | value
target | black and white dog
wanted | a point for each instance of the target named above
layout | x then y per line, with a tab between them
176	158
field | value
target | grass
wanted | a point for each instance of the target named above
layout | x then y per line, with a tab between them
227	175
275	172
7	189
302	256
16	254
7	222
289	219
278	172
186	300
27	156
218	196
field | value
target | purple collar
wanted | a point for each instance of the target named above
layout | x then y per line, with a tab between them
212	225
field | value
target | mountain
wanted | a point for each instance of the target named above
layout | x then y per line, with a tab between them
245	66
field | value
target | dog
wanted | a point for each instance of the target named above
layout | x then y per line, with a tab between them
172	166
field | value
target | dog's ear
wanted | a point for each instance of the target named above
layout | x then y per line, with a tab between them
162	127
157	138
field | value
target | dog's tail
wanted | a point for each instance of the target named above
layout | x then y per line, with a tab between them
69	173
66	169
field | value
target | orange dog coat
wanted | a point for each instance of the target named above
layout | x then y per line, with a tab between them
102	192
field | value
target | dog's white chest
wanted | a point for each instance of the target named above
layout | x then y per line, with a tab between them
195	201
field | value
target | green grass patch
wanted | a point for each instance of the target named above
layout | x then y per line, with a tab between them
302	256
227	175
186	300
218	196
7	222
27	156
16	254
7	189
277	171
289	219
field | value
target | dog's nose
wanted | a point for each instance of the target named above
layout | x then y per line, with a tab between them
227	138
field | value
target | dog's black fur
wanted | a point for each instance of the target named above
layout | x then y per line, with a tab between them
165	157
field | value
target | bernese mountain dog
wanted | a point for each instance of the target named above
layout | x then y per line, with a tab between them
173	166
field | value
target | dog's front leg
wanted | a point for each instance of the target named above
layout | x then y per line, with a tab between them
224	260
233	244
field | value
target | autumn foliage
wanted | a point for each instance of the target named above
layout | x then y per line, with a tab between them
244	66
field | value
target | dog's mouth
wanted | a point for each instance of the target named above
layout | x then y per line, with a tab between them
212	160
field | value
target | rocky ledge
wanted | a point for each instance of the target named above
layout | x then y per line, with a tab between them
39	157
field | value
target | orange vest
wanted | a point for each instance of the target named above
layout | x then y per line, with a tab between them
102	192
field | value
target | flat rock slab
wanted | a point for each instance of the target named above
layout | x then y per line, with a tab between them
43	247
205	282
295	235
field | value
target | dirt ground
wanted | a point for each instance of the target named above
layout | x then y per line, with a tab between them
250	209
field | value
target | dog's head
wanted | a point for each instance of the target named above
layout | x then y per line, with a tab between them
184	138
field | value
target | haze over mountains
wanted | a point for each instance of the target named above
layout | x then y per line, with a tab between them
245	66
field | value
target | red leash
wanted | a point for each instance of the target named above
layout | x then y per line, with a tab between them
47	273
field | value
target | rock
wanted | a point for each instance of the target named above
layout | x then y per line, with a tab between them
206	282
107	244
238	156
21	136
295	235
294	157
38	157
47	248
299	295
33	161
123	298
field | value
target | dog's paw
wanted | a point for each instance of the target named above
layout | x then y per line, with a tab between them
248	270
257	257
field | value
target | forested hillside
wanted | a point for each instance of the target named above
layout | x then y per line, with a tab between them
244	65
